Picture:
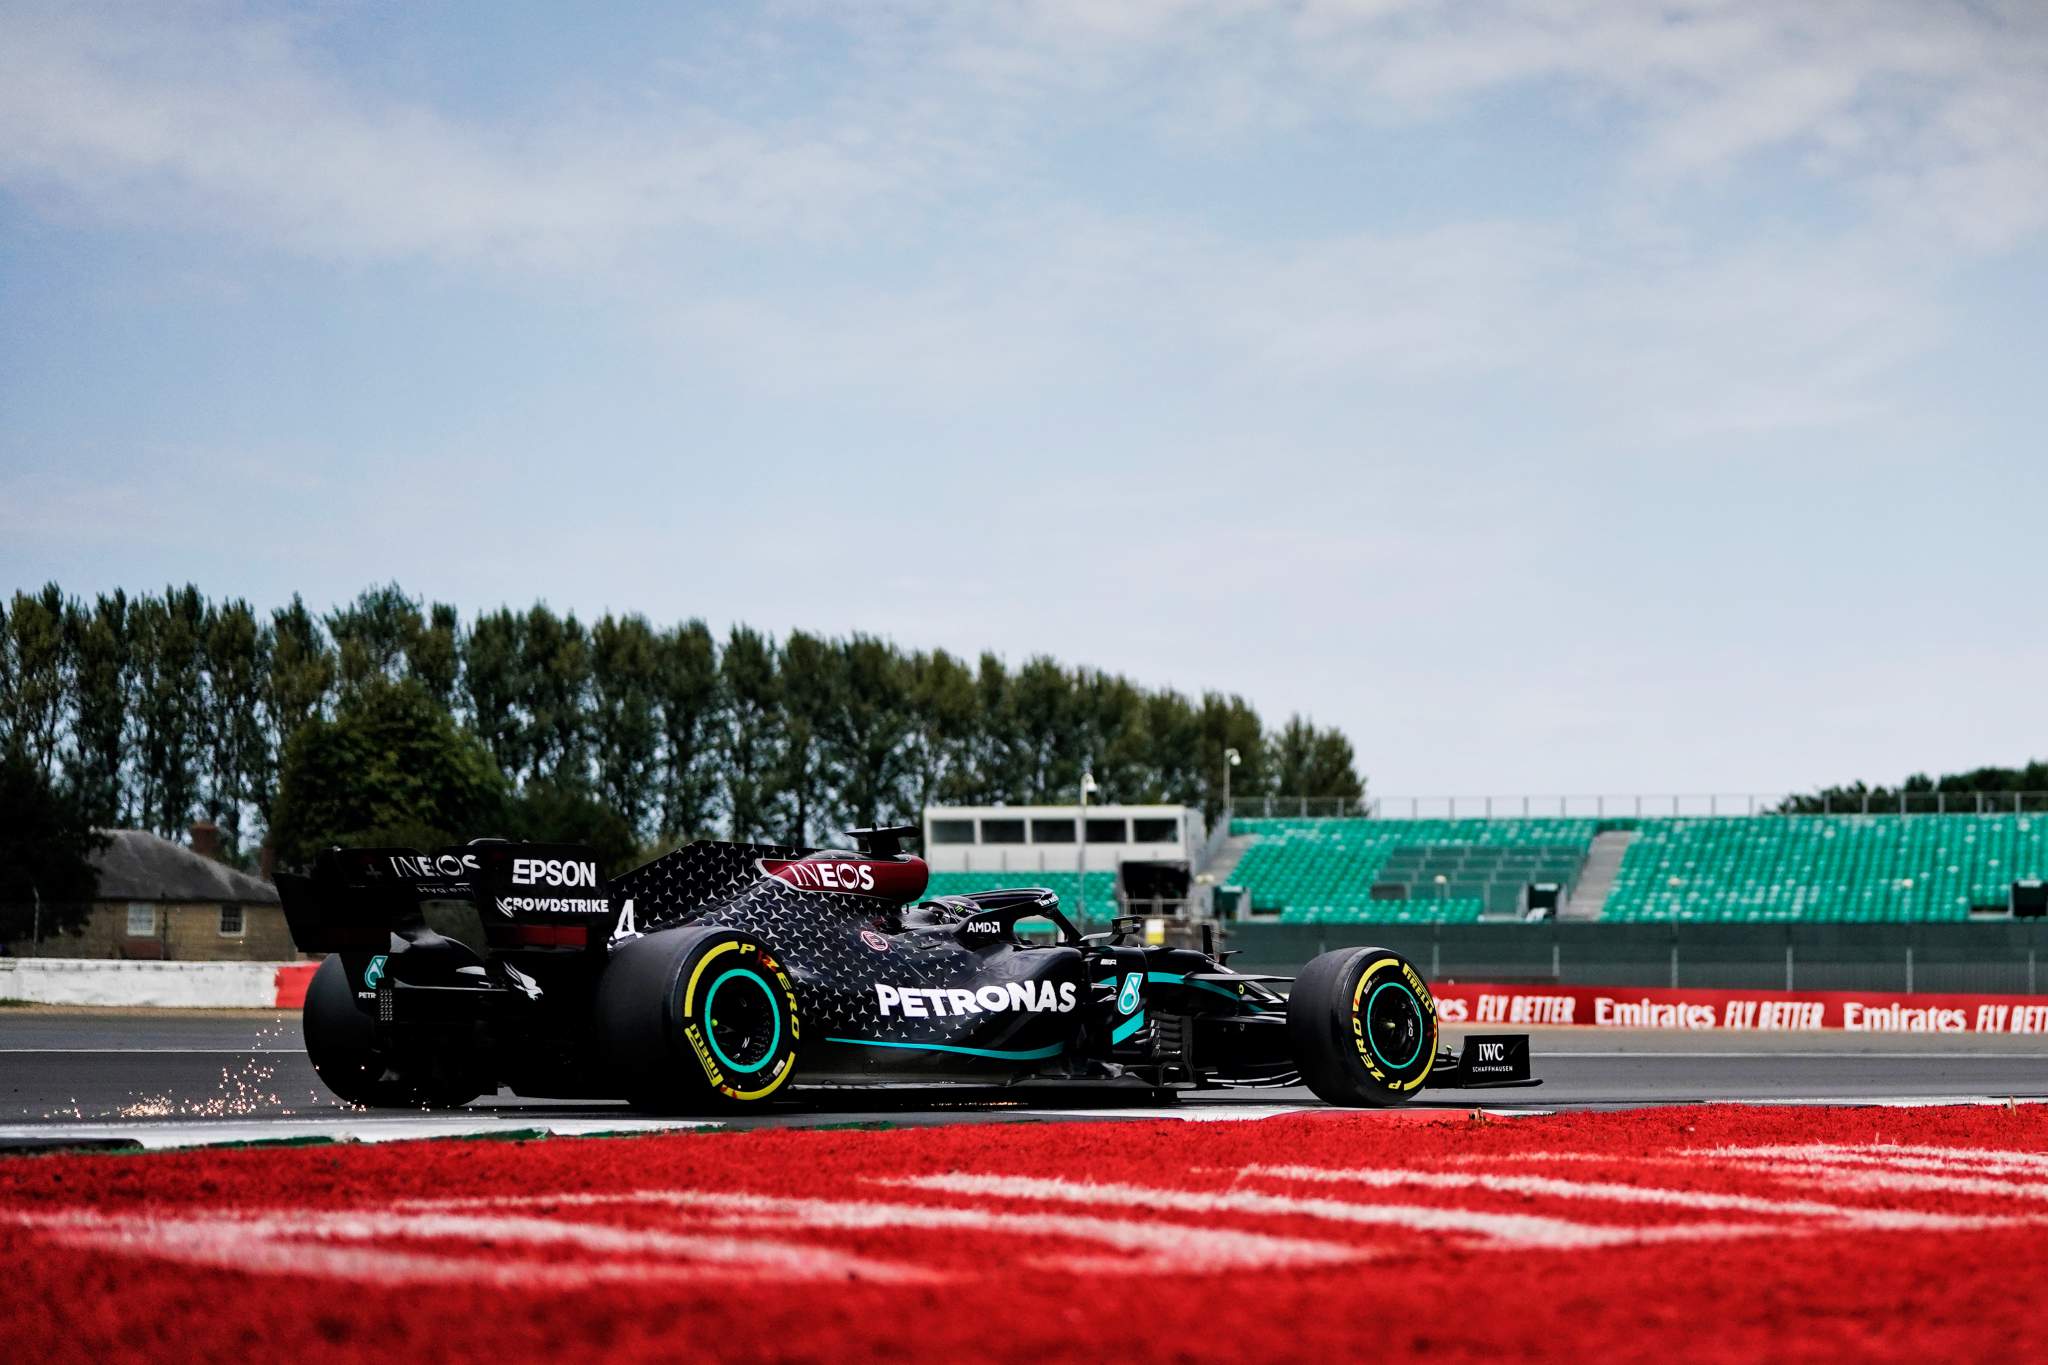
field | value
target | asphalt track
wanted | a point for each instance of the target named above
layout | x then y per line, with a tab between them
175	1077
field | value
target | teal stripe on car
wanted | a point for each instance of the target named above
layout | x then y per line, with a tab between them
1176	979
1128	1027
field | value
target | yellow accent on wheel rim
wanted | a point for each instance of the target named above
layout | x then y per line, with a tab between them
690	1009
1422	997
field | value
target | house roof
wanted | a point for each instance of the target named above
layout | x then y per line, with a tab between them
139	866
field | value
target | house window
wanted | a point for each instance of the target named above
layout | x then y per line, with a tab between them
141	920
1107	832
1155	831
952	831
1053	831
1002	831
231	921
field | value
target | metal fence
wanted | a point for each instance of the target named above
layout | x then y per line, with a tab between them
1634	805
2004	956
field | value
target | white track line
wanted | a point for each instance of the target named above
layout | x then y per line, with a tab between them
1518	1230
1556	1188
276	1242
1875	1178
1907	1156
1842	1171
1158	1245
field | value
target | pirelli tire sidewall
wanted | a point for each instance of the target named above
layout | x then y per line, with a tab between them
1363	1027
654	1021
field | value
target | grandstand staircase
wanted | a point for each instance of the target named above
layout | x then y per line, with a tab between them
1603	865
1228	855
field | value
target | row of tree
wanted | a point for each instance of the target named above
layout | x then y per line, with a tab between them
2002	788
153	709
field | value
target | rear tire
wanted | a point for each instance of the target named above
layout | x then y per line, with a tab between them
1362	1027
696	1021
342	1044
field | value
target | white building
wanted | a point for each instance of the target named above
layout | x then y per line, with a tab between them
1050	838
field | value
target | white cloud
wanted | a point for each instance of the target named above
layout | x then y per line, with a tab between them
1644	340
230	121
233	124
1893	92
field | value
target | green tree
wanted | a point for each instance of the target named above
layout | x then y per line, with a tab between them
494	684
626	730
302	671
1921	794
1173	742
390	767
941	711
993	771
1110	721
1045	734
750	694
35	677
165	714
550	814
434	654
374	634
1230	723
237	749
869	734
555	663
810	694
100	646
687	704
1306	761
46	848
295	688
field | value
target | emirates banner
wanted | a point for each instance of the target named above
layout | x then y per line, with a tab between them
1757	1011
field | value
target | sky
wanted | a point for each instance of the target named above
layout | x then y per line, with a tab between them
1559	396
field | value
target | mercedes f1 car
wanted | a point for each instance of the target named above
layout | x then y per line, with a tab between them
725	975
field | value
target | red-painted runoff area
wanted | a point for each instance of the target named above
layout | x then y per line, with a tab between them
292	980
1713	1232
1654	1007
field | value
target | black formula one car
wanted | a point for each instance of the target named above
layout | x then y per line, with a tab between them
721	976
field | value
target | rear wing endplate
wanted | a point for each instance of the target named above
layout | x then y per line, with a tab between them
527	895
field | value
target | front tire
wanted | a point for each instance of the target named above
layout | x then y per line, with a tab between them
1362	1026
342	1044
697	1021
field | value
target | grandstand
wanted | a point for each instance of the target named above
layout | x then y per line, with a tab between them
1862	868
1404	871
1744	869
1100	886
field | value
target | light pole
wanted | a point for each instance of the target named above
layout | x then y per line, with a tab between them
1081	849
1231	758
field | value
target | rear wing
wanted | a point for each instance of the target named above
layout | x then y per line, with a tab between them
527	895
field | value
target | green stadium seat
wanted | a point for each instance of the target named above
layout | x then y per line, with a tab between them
1295	864
1743	869
1859	868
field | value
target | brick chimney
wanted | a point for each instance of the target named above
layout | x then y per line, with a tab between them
206	839
266	861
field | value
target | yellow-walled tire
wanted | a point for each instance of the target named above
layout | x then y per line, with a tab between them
1362	1026
698	1021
